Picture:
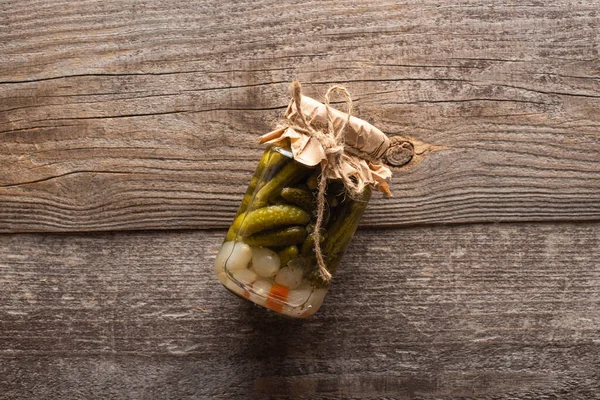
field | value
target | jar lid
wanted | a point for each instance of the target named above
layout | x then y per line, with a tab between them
364	145
359	134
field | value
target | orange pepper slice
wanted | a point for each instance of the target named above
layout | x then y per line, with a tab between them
277	297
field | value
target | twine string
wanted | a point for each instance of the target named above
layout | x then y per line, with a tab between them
332	141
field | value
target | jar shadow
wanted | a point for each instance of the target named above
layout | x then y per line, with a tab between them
280	349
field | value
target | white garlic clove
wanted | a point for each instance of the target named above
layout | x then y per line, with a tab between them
239	258
265	262
315	302
261	289
290	277
244	276
224	253
234	287
300	295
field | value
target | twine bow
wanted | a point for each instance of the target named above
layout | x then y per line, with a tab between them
332	141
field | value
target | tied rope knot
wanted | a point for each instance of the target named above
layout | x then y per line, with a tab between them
332	142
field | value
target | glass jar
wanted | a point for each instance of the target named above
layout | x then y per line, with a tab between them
268	254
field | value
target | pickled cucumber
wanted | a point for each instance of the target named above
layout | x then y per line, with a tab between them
298	197
270	161
313	181
308	264
309	245
248	196
289	174
267	218
277	237
287	254
332	201
276	199
313	275
342	229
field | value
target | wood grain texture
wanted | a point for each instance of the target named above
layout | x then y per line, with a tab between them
492	311
145	114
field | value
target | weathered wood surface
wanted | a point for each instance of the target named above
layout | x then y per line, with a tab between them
145	115
129	115
493	311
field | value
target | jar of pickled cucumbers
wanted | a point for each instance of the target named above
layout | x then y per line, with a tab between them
268	255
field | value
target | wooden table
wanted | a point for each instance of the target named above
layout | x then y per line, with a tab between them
128	132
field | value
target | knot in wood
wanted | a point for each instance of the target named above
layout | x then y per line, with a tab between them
400	152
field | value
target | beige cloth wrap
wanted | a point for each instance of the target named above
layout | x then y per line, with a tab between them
363	143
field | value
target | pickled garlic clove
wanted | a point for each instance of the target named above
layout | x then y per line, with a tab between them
299	296
265	262
261	289
244	276
239	258
290	277
314	303
235	288
224	253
